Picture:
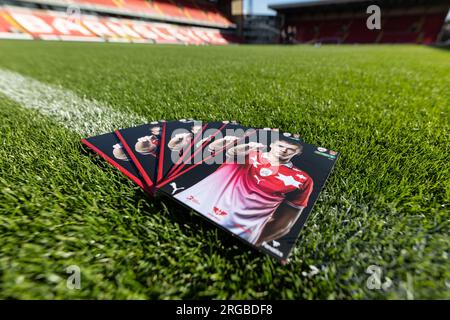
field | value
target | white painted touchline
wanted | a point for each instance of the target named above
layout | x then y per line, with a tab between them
79	114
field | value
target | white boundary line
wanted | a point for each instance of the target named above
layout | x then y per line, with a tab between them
79	114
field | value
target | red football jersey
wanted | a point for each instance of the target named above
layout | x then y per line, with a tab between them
243	197
285	180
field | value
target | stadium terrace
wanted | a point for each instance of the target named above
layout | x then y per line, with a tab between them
139	21
202	22
344	21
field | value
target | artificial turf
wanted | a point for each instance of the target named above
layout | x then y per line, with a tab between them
384	108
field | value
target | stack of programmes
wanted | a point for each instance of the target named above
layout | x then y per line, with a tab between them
259	185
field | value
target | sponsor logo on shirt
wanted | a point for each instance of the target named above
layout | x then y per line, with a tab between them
193	199
219	212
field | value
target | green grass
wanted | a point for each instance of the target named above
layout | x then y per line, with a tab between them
385	108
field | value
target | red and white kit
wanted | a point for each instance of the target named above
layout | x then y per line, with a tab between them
243	197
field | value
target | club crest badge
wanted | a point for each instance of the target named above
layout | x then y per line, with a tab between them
265	172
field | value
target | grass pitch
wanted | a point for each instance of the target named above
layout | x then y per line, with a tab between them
385	108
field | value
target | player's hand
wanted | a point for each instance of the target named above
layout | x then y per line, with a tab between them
256	146
144	139
181	136
230	138
119	153
199	143
181	139
258	243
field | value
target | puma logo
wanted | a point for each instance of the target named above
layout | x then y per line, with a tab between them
174	186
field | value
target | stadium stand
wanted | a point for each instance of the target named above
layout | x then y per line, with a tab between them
169	9
94	24
344	21
358	32
9	29
432	26
200	12
23	23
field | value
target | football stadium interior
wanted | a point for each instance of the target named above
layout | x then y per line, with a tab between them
200	22
72	69
159	21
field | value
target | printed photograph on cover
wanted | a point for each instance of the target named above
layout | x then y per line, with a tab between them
176	141
142	144
261	187
194	155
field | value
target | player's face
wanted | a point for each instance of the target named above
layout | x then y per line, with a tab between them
155	131
283	150
119	153
196	129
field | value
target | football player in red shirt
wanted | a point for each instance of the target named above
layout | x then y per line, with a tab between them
260	199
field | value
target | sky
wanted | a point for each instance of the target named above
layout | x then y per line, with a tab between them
260	6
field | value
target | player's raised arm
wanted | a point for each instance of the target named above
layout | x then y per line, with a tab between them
244	149
219	144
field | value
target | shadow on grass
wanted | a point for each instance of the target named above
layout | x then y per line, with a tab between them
444	47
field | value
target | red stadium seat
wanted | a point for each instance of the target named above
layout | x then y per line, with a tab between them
214	14
401	23
169	8
139	6
401	29
307	31
48	25
359	33
229	38
400	37
346	22
193	11
417	28
9	29
5	25
333	31
104	3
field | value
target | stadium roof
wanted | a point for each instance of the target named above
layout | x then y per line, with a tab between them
324	3
310	4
